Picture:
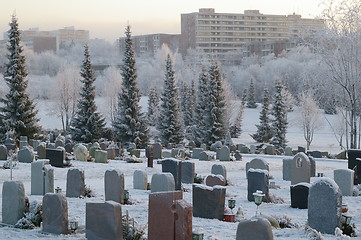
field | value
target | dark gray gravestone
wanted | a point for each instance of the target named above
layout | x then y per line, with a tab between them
56	157
257	180
357	176
352	154
3	152
55	213
257	163
208	202
103	220
312	166
13	202
324	205
286	169
162	182
173	166
75	183
204	156
299	195
188	172
254	228
114	186
196	152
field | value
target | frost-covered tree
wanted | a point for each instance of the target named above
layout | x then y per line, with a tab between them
130	124
153	107
170	119
87	124
264	130
251	101
217	105
244	97
201	113
18	111
279	123
309	117
187	104
113	81
235	128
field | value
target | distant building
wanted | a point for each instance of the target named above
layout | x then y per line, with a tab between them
219	34
265	48
151	43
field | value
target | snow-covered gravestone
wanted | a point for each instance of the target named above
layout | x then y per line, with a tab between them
300	169
324	205
3	152
81	152
75	183
224	153
103	220
114	186
214	180
196	152
13	201
208	202
258	179
162	182
140	180
254	228
219	169
344	179
26	155
257	163
204	156
42	177
55	213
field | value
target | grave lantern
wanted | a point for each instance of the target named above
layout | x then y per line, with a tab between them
231	204
258	198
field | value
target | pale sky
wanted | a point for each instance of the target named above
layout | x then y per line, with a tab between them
107	19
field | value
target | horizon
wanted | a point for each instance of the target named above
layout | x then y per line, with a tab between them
107	20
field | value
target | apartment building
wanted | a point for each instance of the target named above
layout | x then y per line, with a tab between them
219	34
151	43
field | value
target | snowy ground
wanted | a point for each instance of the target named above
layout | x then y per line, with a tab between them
213	229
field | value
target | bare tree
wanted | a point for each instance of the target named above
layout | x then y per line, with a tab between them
309	117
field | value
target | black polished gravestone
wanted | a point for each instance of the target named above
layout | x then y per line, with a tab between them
352	154
299	195
56	157
173	166
357	170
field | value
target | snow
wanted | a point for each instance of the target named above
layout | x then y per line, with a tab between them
237	189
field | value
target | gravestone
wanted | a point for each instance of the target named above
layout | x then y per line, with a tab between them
75	183
140	180
344	179
135	152
36	144
23	142
26	155
288	151
42	177
204	156
243	148
162	182
224	154
56	157
173	166
213	180
257	163
103	220
203	146
315	154
3	152
300	169
188	172
166	153
357	174
208	202
196	152
114	186
68	147
183	220
164	211
81	152
254	228
352	154
299	195
55	213
257	180
50	145
324	205
312	166
113	151
101	156
252	149
59	143
218	169
270	150
237	155
157	151
94	148
13	202
286	169
41	150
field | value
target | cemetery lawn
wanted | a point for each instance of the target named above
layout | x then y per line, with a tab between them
213	229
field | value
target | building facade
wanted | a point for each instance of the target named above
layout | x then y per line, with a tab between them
218	34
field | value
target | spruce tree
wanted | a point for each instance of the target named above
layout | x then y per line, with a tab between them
264	131
153	105
18	111
87	124
201	114
279	123
186	104
170	119
251	101
235	129
129	123
218	127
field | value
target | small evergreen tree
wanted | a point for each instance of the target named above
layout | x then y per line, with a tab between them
18	111
251	101
244	97
218	127
201	113
129	123
187	104
235	129
153	105
279	123
87	124
264	131
170	119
